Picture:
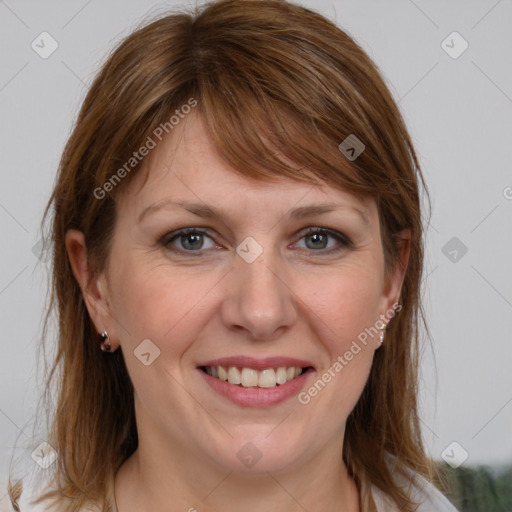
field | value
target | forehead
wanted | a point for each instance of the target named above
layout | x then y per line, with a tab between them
186	166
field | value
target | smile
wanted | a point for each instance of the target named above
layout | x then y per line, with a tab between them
251	378
253	382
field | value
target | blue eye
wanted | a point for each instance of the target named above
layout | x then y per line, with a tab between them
320	239
190	239
194	240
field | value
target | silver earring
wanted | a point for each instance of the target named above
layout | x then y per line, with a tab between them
106	346
381	339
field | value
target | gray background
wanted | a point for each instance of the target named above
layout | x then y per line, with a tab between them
459	112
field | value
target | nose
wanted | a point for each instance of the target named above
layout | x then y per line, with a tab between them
259	300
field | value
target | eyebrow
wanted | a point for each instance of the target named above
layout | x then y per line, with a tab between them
211	212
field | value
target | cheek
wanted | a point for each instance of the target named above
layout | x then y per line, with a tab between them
343	306
153	302
346	301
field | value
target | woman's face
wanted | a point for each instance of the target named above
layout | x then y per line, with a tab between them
249	286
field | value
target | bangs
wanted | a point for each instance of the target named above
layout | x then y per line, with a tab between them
265	129
275	105
278	95
264	139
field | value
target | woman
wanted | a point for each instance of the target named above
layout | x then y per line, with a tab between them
237	258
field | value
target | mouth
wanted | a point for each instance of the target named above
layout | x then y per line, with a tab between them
253	378
251	382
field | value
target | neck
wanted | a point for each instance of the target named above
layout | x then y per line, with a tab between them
153	479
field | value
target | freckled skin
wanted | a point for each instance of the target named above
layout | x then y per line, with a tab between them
293	300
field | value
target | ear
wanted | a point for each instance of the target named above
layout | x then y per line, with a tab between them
94	287
395	278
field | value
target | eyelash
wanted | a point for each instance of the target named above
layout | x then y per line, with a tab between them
343	240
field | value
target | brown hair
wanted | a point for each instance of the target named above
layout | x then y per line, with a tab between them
275	83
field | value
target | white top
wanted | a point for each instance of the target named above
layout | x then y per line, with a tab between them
428	497
423	492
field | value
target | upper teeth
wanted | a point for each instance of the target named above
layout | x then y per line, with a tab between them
249	377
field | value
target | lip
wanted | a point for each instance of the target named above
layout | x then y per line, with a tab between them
254	396
256	363
257	397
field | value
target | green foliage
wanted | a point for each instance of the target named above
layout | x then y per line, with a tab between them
476	489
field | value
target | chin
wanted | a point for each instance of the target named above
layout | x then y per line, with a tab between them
258	449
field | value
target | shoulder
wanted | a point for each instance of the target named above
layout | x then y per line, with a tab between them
25	504
33	486
428	497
